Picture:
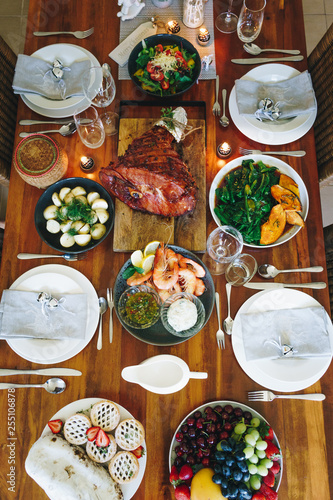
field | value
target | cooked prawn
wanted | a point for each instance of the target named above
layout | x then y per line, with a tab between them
165	274
187	280
199	287
192	266
138	279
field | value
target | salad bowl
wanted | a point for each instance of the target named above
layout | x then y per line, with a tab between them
160	81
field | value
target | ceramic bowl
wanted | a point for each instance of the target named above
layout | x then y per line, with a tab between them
189	332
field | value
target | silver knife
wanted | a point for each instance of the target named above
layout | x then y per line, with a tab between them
271	286
39	122
58	372
260	60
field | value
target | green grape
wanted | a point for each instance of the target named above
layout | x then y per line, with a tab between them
255	422
266	462
262	470
255	434
261	454
240	428
255	482
254	459
252	469
249	451
260	445
249	439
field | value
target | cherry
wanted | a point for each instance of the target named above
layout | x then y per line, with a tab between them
247	415
223	435
210	428
200	423
209	409
190	421
229	409
200	454
190	459
197	414
179	437
218	409
178	462
184	428
225	415
205	462
206	452
201	441
178	451
227	426
212	439
238	412
191	432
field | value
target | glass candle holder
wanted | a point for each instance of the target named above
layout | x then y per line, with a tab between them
193	13
203	37
172	27
223	150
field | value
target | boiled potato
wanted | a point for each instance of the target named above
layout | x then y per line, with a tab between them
92	196
79	191
65	226
102	215
50	212
69	197
77	225
67	240
63	192
99	203
53	226
82	239
85	229
82	198
56	200
97	231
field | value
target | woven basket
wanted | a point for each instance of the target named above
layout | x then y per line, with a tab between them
40	161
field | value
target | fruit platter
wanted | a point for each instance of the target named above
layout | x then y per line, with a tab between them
225	449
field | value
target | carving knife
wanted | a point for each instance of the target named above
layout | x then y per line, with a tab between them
260	60
58	372
271	286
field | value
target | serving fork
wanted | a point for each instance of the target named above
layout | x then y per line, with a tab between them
216	107
245	151
109	296
77	34
219	334
269	396
67	256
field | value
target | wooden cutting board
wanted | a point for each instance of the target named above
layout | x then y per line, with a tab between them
134	229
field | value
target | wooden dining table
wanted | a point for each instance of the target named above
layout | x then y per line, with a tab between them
304	428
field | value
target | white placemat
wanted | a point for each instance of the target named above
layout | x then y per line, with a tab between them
175	11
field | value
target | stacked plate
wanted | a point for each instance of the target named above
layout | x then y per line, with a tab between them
267	132
67	54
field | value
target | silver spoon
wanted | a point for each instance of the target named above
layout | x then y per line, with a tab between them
53	385
228	322
64	130
103	305
253	49
224	120
269	271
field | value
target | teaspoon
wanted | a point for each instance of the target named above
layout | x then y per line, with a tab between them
64	130
103	305
228	322
269	271
253	49
224	121
53	385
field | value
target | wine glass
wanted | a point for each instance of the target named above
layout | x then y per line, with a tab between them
224	244
250	20
227	21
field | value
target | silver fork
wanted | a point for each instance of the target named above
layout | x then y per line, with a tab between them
219	334
67	256
77	34
109	297
269	396
245	151
216	107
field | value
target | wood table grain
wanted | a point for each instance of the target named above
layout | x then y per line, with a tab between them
304	428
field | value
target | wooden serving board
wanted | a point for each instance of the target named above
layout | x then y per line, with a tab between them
134	229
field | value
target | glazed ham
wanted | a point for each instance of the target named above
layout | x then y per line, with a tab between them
151	177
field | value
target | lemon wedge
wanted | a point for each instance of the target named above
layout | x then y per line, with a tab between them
151	248
136	258
147	263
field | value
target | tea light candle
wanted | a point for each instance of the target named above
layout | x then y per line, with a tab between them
86	163
223	150
203	36
172	27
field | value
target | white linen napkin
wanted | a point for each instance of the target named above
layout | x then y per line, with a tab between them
305	329
21	315
294	96
34	76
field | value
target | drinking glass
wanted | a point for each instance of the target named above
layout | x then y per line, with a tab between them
241	269
224	244
90	127
250	20
227	21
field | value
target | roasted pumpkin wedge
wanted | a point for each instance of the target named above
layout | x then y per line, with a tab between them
289	183
294	218
274	227
286	198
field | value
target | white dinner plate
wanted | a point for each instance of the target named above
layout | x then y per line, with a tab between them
84	405
50	109
267	132
284	168
55	278
288	374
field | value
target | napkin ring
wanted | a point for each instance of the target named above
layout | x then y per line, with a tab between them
49	303
285	350
268	110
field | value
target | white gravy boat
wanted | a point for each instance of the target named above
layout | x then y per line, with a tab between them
163	374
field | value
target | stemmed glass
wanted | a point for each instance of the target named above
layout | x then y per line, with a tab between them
100	89
224	244
227	21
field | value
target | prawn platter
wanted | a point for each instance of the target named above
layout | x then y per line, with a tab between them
132	228
157	334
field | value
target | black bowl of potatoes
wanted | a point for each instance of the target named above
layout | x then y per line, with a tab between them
74	215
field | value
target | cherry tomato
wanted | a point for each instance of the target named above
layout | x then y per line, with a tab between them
180	59
165	84
157	75
159	48
150	67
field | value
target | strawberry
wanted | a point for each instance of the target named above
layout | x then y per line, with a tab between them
185	473
275	467
269	479
102	439
182	492
174	476
266	431
258	496
272	452
55	425
139	452
92	433
268	493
